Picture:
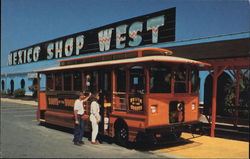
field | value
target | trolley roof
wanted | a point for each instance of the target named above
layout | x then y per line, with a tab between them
147	50
168	59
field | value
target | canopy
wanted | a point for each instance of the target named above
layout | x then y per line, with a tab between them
168	59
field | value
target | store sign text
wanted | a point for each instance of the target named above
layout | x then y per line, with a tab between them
149	29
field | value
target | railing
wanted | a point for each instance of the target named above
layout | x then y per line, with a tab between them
120	102
236	107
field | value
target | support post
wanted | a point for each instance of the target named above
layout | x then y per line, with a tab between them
127	85
83	82
54	81
217	72
146	70
237	95
62	76
113	88
38	96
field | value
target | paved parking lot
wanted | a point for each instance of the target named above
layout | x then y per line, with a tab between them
23	137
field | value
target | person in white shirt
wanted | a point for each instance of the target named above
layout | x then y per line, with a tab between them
95	117
78	112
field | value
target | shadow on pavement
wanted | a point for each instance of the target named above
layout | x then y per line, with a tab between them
56	127
168	143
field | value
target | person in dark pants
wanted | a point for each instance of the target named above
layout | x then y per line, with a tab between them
78	113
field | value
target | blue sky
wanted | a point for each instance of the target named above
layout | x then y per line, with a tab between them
27	22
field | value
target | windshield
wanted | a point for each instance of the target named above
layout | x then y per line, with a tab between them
160	79
181	82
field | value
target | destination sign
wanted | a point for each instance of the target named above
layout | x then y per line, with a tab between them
61	101
135	103
152	28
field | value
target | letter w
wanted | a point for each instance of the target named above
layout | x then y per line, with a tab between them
105	39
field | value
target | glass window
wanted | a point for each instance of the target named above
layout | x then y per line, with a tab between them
58	79
195	81
180	76
77	81
90	79
137	79
49	81
120	99
120	80
160	79
67	81
106	82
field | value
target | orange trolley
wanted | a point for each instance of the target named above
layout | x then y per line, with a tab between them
145	93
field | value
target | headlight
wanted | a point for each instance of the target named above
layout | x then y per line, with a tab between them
153	108
180	107
193	106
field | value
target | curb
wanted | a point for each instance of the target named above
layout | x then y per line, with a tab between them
19	101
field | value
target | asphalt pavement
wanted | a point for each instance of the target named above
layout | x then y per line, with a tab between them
23	137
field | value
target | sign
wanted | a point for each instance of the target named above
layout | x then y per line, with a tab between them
152	28
136	103
61	101
32	75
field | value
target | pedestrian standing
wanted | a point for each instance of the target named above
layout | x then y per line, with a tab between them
79	124
95	117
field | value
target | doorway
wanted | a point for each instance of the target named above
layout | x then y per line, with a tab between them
12	86
104	82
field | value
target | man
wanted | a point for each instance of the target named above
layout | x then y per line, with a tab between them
78	113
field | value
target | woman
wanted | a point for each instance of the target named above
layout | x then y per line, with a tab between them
94	117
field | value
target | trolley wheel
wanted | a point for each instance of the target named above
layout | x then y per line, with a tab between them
122	135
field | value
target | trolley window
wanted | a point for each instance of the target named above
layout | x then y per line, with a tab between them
77	81
90	78
107	82
58	79
137	79
137	89
120	80
180	76
160	79
67	81
195	81
49	81
120	103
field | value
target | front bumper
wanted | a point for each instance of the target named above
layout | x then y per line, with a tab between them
169	132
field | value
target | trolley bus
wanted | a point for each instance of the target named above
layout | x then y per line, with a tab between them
144	93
